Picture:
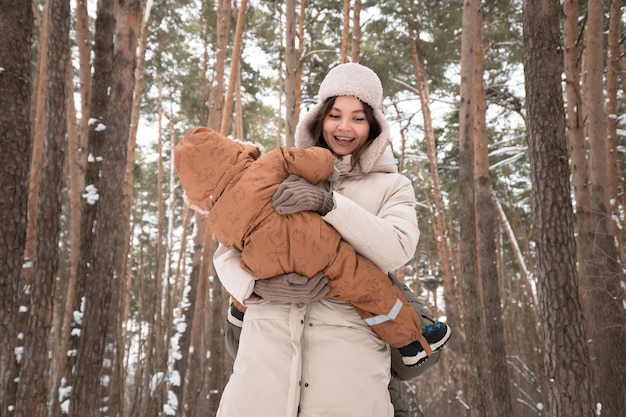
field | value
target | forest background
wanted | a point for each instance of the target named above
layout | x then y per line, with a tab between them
507	116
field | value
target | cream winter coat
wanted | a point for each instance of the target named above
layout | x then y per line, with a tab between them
321	359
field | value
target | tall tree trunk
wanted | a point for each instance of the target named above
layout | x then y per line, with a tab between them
15	100
356	32
103	55
77	160
446	267
161	328
103	289
565	353
145	369
197	288
38	120
216	94
77	169
603	273
345	32
84	75
238	131
302	24
61	326
38	29
472	306
612	109
234	69
187	307
497	370
205	85
292	63
217	306
202	257
38	138
576	131
32	396
125	219
277	8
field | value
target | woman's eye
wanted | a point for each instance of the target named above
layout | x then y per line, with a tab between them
358	119
334	116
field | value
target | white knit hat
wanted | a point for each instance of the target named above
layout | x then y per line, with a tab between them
354	80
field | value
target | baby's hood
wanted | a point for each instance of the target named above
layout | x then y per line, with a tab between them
206	162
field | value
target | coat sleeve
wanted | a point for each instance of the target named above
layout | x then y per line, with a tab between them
313	164
238	282
387	238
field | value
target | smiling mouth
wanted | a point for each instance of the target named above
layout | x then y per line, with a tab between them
343	139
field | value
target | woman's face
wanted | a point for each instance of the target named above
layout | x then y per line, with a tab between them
345	127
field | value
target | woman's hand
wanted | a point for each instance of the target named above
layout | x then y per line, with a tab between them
297	194
293	288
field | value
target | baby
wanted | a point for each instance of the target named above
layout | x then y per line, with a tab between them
232	182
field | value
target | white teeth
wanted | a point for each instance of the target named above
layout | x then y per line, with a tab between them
343	138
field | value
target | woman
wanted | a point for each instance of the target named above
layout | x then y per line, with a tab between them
321	359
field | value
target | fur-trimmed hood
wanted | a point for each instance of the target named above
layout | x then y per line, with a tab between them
355	80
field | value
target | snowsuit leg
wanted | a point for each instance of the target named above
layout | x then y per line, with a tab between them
355	279
304	243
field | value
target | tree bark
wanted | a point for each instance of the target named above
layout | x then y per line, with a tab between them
603	272
300	47
203	253
103	55
345	32
125	218
15	100
575	129
161	326
217	307
103	289
472	305
612	109
216	94
442	242
186	308
566	358
77	160
234	69
356	32
32	395
197	288
62	319
85	88
292	63
39	121
497	369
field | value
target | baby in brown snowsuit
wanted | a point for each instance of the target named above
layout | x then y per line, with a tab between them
234	184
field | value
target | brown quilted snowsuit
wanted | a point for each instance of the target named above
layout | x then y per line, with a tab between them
235	186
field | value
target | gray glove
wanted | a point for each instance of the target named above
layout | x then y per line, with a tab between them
297	194
293	288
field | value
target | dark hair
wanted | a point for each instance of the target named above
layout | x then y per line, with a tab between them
317	126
